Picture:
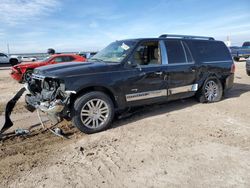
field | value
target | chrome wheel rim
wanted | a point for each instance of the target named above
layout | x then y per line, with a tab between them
211	90
94	113
28	76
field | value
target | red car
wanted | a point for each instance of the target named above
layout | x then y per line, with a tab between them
22	72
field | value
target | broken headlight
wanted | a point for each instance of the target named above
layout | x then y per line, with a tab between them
50	84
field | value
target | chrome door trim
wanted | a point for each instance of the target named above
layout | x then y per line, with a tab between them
183	89
161	93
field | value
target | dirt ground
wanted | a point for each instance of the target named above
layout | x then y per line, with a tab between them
177	144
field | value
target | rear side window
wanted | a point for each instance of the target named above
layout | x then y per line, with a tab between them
178	52
211	51
189	57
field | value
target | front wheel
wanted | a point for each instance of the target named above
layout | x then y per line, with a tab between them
93	112
211	91
27	76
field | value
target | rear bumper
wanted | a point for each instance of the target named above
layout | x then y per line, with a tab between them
229	82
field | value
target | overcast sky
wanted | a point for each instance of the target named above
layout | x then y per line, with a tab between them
79	25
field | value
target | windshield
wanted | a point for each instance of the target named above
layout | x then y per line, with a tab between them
115	52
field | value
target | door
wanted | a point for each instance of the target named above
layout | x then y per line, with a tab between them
181	70
147	84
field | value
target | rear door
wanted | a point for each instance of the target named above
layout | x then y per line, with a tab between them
181	70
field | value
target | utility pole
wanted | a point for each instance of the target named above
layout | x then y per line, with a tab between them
228	41
8	48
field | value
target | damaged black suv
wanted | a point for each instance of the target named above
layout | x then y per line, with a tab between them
130	73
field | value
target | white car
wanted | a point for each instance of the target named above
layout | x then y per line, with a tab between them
13	59
4	58
25	59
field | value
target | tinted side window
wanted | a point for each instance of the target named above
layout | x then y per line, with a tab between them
70	58
59	59
208	51
188	53
175	52
246	44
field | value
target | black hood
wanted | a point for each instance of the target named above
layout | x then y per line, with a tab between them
72	69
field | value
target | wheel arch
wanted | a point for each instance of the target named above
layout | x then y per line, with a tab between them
13	61
103	89
209	76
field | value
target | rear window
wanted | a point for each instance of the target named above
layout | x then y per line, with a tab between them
211	51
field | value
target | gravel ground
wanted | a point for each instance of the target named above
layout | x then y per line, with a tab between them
177	144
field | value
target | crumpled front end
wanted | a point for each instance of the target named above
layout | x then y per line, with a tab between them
49	96
16	73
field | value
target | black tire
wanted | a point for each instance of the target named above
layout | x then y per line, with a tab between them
248	73
81	108
236	59
207	95
27	75
13	62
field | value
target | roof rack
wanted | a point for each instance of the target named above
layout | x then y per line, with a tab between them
186	37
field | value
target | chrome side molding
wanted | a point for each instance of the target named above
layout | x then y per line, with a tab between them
161	93
183	89
146	95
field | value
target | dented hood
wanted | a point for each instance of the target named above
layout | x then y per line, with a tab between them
73	69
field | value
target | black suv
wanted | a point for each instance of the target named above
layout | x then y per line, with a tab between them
130	73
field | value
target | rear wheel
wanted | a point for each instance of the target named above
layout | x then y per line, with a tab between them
248	72
13	62
236	59
93	112
211	91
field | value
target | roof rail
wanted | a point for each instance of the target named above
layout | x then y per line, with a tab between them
185	37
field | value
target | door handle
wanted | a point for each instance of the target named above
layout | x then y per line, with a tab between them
192	69
158	73
142	74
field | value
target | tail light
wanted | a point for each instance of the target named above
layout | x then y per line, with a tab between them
232	68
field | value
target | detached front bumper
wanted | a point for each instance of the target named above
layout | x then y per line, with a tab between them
53	102
52	109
